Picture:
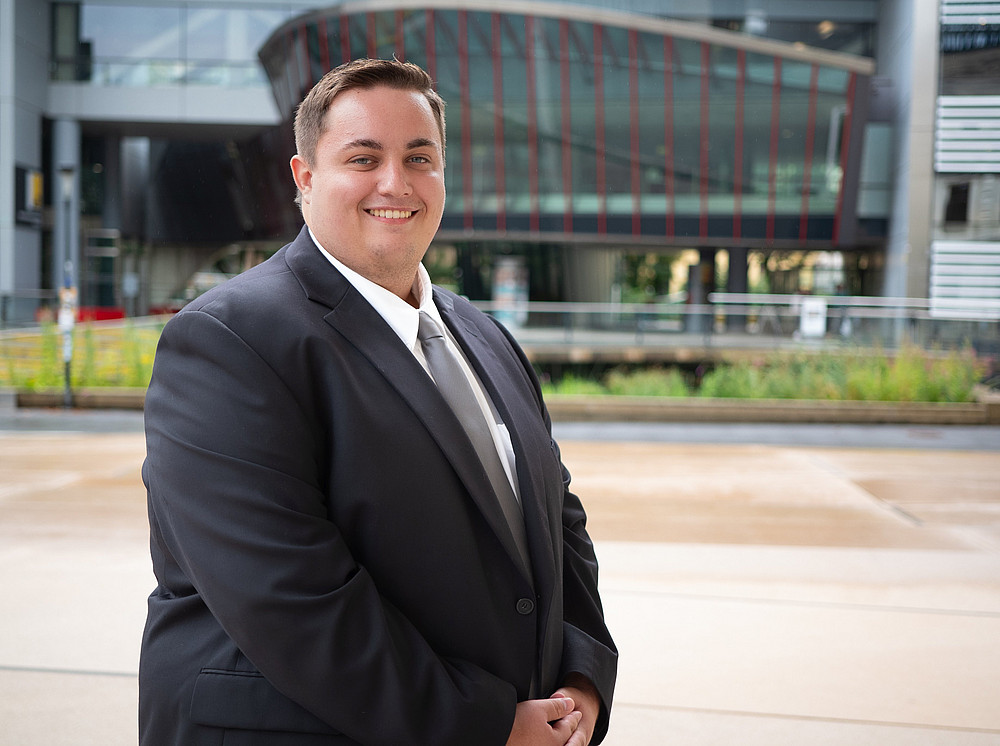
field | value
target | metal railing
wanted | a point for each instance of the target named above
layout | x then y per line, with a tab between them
750	321
730	322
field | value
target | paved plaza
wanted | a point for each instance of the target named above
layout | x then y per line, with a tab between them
771	586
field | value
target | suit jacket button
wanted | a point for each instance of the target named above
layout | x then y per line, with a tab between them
525	606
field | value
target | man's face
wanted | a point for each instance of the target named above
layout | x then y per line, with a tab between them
374	194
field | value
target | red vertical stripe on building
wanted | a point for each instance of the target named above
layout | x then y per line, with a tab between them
807	162
599	127
431	44
400	37
463	93
741	81
498	150
668	131
372	37
703	142
532	94
345	39
567	130
845	144
324	44
633	117
772	176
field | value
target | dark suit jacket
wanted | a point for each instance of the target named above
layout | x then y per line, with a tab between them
332	565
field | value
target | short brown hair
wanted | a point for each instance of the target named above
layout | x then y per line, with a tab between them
361	73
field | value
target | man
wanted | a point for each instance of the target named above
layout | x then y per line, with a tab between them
336	562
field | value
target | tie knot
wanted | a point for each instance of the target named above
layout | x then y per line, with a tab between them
428	328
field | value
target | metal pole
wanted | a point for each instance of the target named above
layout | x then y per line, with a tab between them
67	320
68	391
68	292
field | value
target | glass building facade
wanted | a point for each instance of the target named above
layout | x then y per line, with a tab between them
587	126
582	135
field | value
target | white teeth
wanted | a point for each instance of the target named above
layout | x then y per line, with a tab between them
393	214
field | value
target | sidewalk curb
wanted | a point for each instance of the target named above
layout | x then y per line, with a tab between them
97	398
575	408
668	409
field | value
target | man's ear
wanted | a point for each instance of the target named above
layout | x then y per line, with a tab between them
302	174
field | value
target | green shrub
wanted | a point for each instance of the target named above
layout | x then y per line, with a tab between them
912	375
122	355
647	382
102	356
741	380
574	385
865	378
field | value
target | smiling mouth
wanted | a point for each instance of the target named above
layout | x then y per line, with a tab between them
391	214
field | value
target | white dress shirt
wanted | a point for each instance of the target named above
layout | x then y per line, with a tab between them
404	320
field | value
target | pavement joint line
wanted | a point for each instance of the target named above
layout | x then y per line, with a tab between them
812	718
610	589
67	671
893	508
823	465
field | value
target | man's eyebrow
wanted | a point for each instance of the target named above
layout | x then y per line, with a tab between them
369	144
421	142
364	143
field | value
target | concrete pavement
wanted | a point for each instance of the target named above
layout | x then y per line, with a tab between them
770	592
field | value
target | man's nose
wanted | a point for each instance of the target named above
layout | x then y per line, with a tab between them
394	179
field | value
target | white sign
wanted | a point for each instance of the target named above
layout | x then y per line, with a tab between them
812	322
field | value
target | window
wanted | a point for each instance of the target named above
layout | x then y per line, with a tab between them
957	208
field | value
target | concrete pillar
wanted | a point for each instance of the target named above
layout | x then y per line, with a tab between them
8	112
111	212
134	167
66	203
701	281
739	268
737	281
23	69
908	55
590	273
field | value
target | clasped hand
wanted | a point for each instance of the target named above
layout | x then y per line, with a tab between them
566	719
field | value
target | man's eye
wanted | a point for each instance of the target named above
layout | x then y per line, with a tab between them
420	159
362	161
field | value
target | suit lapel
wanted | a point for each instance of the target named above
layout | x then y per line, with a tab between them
520	415
354	318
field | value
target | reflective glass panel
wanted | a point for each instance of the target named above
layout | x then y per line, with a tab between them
792	137
548	84
448	85
723	83
132	32
517	151
758	95
617	127
231	35
687	125
651	112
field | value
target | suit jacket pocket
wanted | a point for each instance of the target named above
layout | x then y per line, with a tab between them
247	701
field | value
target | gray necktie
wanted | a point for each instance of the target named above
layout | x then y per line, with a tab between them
457	391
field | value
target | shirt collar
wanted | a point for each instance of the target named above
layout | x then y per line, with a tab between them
403	318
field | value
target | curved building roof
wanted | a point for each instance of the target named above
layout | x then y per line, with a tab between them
580	124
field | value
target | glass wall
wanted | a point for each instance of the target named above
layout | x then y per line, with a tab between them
163	43
852	37
570	127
